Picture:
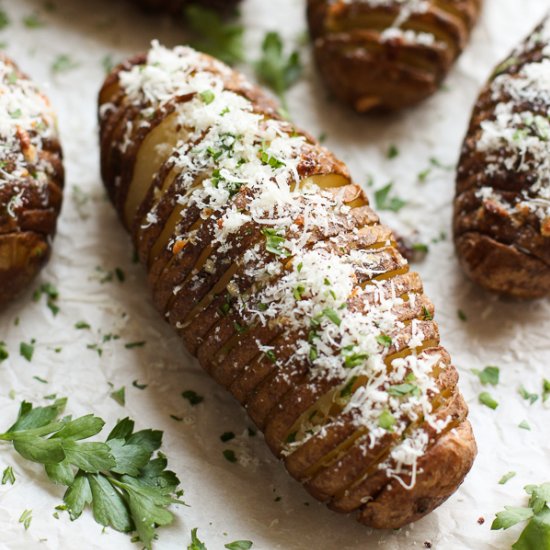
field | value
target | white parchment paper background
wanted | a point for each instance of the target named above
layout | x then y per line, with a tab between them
239	501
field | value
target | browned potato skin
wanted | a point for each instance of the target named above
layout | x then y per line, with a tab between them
177	7
272	401
27	232
505	254
367	73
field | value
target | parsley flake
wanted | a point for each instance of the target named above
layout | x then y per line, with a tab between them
506	477
193	397
383	200
489	375
486	399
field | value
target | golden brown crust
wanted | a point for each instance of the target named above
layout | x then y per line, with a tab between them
382	56
501	222
203	285
31	185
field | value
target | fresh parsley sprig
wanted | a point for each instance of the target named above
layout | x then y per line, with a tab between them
276	69
126	486
222	39
537	513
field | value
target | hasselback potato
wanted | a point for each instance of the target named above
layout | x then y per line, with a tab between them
31	180
268	261
502	205
388	54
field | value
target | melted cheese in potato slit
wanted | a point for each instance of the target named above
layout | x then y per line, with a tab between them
270	264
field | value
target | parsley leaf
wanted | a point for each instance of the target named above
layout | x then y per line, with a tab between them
383	200
486	399
63	63
127	487
536	534
545	384
531	397
489	375
274	241
26	350
392	152
239	545
386	420
8	476
196	543
3	352
119	396
214	36
193	397
277	70
506	477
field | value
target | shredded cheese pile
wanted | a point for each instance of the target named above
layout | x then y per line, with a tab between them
26	119
517	138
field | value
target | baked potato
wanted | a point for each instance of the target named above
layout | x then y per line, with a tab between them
268	261
388	54
502	205
177	7
31	180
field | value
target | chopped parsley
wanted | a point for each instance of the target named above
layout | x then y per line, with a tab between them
214	36
131	345
139	386
384	340
32	21
402	390
3	352
524	425
489	375
531	397
207	96
120	396
386	420
330	314
4	19
8	476
276	69
426	315
506	477
545	385
274	241
193	397
486	399
227	436
536	533
348	388
462	315
383	200
392	152
239	545
230	455
51	293
41	380
26	518
82	325
63	63
26	349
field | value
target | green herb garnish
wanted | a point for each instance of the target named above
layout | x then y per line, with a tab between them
486	399
536	534
214	36
383	200
193	397
276	69
387	421
489	375
119	479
